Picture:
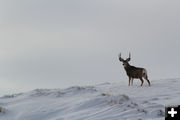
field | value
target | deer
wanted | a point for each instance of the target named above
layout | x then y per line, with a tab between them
134	72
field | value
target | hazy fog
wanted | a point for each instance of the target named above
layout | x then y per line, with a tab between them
61	43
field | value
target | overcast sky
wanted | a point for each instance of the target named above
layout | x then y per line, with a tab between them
62	43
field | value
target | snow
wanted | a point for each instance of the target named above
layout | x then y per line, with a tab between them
108	101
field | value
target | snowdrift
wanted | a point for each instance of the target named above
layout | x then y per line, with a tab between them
106	101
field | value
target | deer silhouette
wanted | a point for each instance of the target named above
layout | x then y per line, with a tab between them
134	72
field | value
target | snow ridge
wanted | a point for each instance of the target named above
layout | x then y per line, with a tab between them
101	102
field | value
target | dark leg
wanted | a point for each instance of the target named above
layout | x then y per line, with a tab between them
142	81
129	80
147	80
132	81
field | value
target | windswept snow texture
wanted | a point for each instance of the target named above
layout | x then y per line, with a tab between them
101	102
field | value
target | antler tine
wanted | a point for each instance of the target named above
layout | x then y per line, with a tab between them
119	55
129	58
129	55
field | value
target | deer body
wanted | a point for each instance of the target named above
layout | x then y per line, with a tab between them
134	72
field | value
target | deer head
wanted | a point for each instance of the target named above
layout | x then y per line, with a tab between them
125	62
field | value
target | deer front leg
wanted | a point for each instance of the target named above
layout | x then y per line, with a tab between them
129	80
132	81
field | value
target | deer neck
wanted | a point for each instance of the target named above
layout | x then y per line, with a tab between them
127	67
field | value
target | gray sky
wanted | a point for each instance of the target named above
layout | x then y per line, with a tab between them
61	43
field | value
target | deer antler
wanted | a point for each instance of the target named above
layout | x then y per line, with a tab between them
128	59
129	55
120	57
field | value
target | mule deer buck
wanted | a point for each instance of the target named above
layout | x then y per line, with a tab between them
134	72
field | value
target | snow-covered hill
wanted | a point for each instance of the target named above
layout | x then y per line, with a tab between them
106	101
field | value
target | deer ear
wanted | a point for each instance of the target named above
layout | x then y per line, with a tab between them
128	59
120	59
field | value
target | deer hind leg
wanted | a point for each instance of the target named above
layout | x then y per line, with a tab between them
142	81
146	77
